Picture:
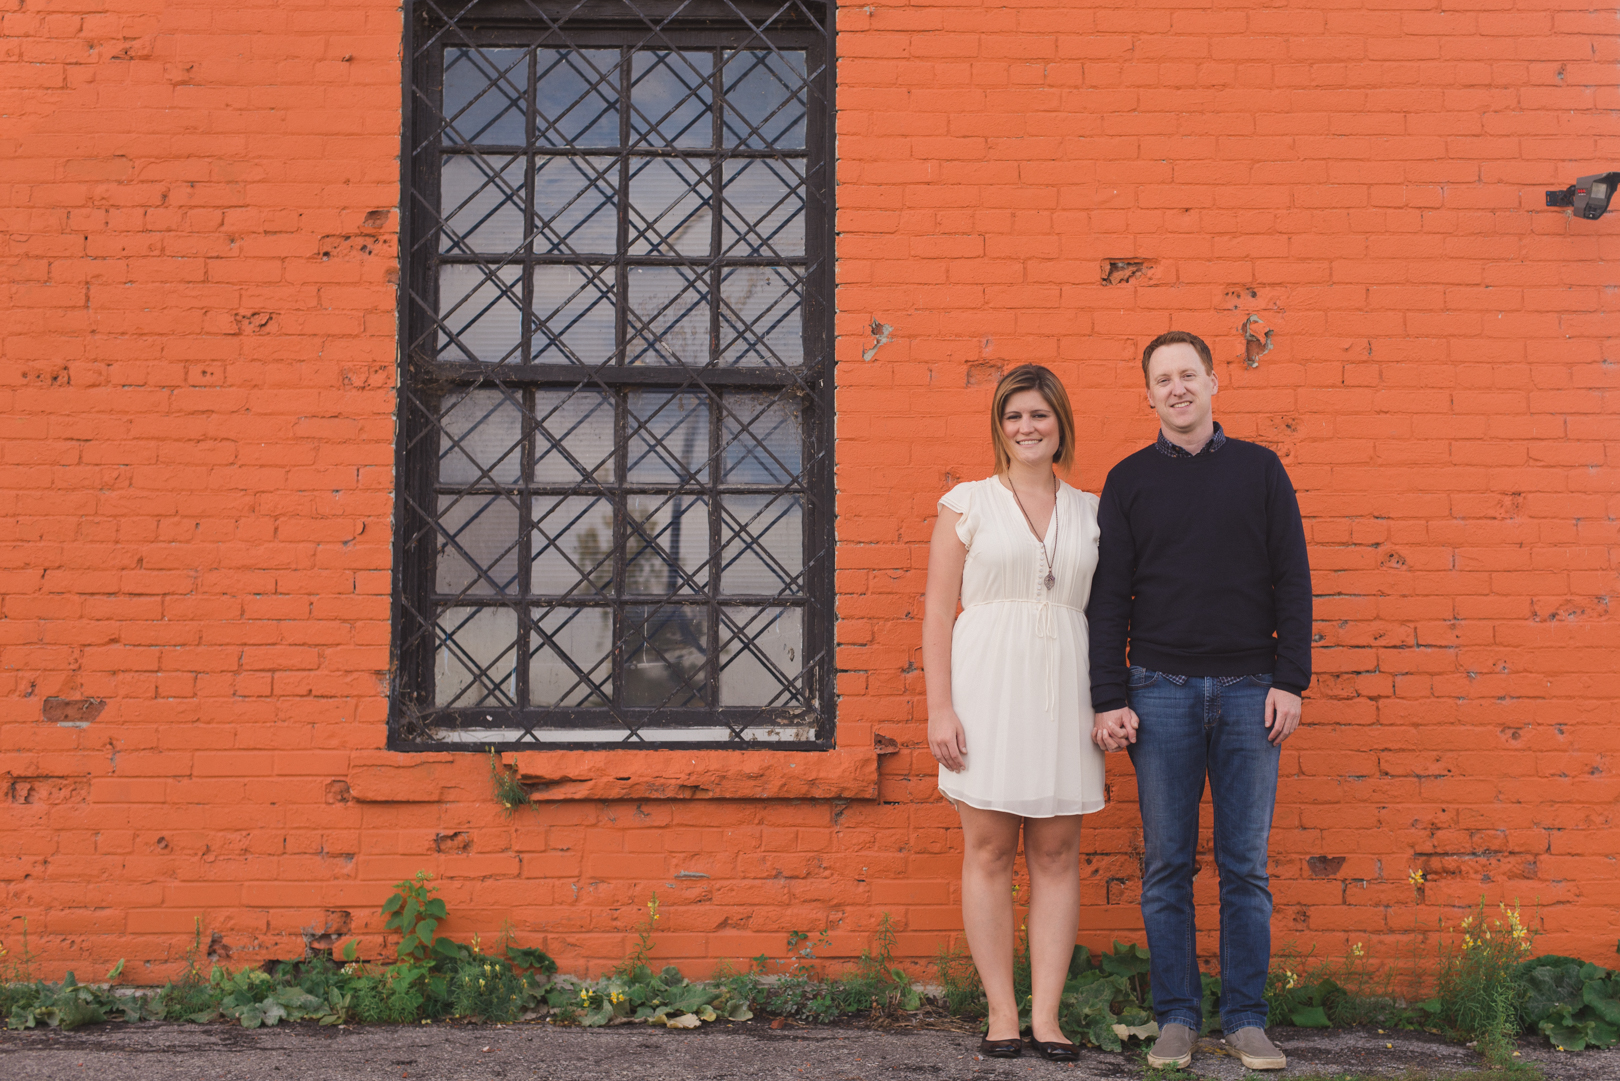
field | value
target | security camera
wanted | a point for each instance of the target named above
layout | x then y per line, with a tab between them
1589	196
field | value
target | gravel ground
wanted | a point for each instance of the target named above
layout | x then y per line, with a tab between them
743	1052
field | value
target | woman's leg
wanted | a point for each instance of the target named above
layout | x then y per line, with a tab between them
990	844
1052	853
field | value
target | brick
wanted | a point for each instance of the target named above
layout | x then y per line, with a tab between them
199	411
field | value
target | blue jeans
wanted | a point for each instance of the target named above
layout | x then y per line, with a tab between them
1185	733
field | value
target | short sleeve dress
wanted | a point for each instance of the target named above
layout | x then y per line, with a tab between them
1019	678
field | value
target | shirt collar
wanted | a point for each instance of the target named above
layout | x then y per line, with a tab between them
1170	450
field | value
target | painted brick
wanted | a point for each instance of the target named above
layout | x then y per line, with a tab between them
196	481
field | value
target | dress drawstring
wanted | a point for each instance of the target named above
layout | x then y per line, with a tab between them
1046	627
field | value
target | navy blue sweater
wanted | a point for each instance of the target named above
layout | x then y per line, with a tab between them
1202	568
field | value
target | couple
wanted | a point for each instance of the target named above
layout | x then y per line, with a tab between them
1194	556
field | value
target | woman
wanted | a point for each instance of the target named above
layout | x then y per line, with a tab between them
1009	699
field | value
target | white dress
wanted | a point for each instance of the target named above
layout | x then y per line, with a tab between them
1020	677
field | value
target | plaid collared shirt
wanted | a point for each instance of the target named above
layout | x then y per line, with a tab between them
1220	681
1170	450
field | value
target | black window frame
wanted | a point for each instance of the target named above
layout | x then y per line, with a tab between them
414	723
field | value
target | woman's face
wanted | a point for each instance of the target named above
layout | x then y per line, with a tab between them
1031	428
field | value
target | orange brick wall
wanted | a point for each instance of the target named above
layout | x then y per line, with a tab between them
197	341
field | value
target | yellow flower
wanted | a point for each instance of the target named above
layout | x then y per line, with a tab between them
1356	949
480	983
1415	877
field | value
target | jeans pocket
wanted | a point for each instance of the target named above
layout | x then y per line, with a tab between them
1138	677
1264	679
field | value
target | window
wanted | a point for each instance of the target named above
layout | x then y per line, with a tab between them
615	507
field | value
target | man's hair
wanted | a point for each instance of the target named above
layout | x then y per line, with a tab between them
1173	337
1048	386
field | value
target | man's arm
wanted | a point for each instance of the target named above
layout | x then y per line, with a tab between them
1108	611
1290	584
1291	594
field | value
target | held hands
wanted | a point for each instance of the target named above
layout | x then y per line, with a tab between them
1115	728
946	739
1282	714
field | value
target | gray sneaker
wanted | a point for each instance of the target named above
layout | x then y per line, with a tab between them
1256	1051
1173	1047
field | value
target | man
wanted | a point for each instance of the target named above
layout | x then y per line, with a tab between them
1203	570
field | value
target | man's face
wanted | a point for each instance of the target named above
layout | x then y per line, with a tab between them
1179	388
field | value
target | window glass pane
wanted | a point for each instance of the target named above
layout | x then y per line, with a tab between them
764	208
577	97
762	545
481	204
480	432
762	317
573	546
765	99
667	546
670	202
669	437
479	309
476	661
764	438
575	438
477	541
575	205
572	662
671	98
761	656
573	312
666	654
483	96
669	316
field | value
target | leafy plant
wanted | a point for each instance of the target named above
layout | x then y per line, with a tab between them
1575	1004
664	998
416	915
69	1005
1108	1004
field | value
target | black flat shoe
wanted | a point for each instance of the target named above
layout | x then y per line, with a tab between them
1001	1048
1056	1052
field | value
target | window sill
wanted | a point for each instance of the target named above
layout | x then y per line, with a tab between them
400	777
569	775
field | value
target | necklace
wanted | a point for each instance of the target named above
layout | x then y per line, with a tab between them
1051	579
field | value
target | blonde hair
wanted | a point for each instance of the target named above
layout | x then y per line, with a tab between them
1048	386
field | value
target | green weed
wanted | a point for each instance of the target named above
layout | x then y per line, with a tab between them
1480	992
510	792
959	981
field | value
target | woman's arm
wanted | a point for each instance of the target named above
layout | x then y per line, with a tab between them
946	557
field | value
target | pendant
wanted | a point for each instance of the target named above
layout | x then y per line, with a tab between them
1051	580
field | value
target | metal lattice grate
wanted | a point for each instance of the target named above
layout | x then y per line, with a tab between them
615	464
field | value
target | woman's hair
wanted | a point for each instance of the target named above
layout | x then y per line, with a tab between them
1043	382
